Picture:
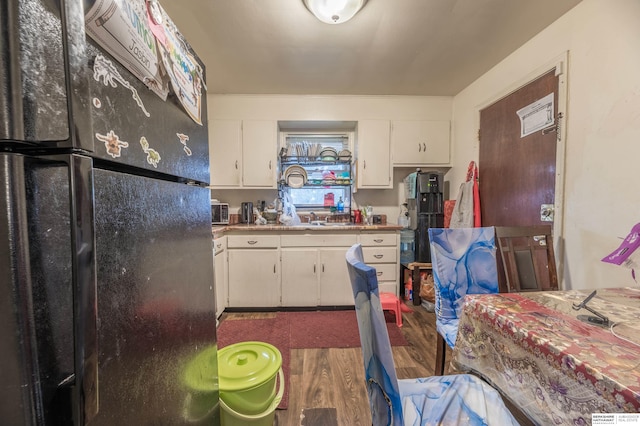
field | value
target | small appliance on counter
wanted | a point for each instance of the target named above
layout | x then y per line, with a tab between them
219	213
246	212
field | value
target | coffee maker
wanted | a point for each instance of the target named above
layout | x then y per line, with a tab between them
426	210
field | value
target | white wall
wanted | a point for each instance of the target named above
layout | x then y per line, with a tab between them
329	108
602	154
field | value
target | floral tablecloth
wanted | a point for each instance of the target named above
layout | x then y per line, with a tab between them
556	368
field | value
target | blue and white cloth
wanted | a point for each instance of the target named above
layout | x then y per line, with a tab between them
463	262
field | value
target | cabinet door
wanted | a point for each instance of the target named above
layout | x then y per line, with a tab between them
299	277
225	153
221	281
420	142
259	153
374	158
254	279
335	287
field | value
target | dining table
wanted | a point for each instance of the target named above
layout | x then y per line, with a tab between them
557	361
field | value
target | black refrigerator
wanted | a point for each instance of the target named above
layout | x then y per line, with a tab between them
106	260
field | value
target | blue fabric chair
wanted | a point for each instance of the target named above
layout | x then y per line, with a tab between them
457	399
463	262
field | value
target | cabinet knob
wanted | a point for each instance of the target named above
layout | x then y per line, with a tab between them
364	164
378	256
424	147
377	240
269	164
252	242
419	148
236	164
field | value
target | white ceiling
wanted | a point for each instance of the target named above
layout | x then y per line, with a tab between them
392	47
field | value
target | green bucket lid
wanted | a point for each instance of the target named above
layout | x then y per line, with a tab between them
246	365
201	372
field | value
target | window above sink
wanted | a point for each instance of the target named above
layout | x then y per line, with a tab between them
315	169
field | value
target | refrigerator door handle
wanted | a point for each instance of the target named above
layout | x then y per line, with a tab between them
85	286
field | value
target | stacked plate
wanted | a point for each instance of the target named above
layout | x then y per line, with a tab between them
328	154
345	154
295	176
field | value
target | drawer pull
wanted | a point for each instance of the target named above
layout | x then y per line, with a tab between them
378	241
314	268
378	256
274	269
252	242
379	274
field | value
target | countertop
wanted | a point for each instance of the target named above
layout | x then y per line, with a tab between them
221	229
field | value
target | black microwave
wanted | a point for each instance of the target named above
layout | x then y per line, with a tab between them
219	213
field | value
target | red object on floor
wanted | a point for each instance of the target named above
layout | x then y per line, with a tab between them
390	302
404	308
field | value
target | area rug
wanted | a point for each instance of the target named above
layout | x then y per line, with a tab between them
332	329
274	331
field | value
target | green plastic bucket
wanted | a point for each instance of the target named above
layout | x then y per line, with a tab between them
247	382
200	378
230	417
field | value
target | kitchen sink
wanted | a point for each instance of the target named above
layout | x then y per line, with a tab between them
325	223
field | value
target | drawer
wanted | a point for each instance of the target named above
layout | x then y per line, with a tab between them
388	287
386	271
318	240
378	239
253	241
380	254
220	244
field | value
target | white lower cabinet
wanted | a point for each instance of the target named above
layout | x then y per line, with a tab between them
314	271
254	270
304	269
299	276
220	268
335	286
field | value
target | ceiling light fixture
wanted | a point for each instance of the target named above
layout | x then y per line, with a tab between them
334	11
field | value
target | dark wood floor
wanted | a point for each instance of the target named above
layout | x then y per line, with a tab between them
326	386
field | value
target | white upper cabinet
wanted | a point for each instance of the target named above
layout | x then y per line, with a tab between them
420	142
225	152
259	153
243	153
374	157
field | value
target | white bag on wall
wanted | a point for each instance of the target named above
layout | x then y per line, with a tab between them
462	215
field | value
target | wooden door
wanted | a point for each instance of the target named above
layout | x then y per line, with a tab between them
517	174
